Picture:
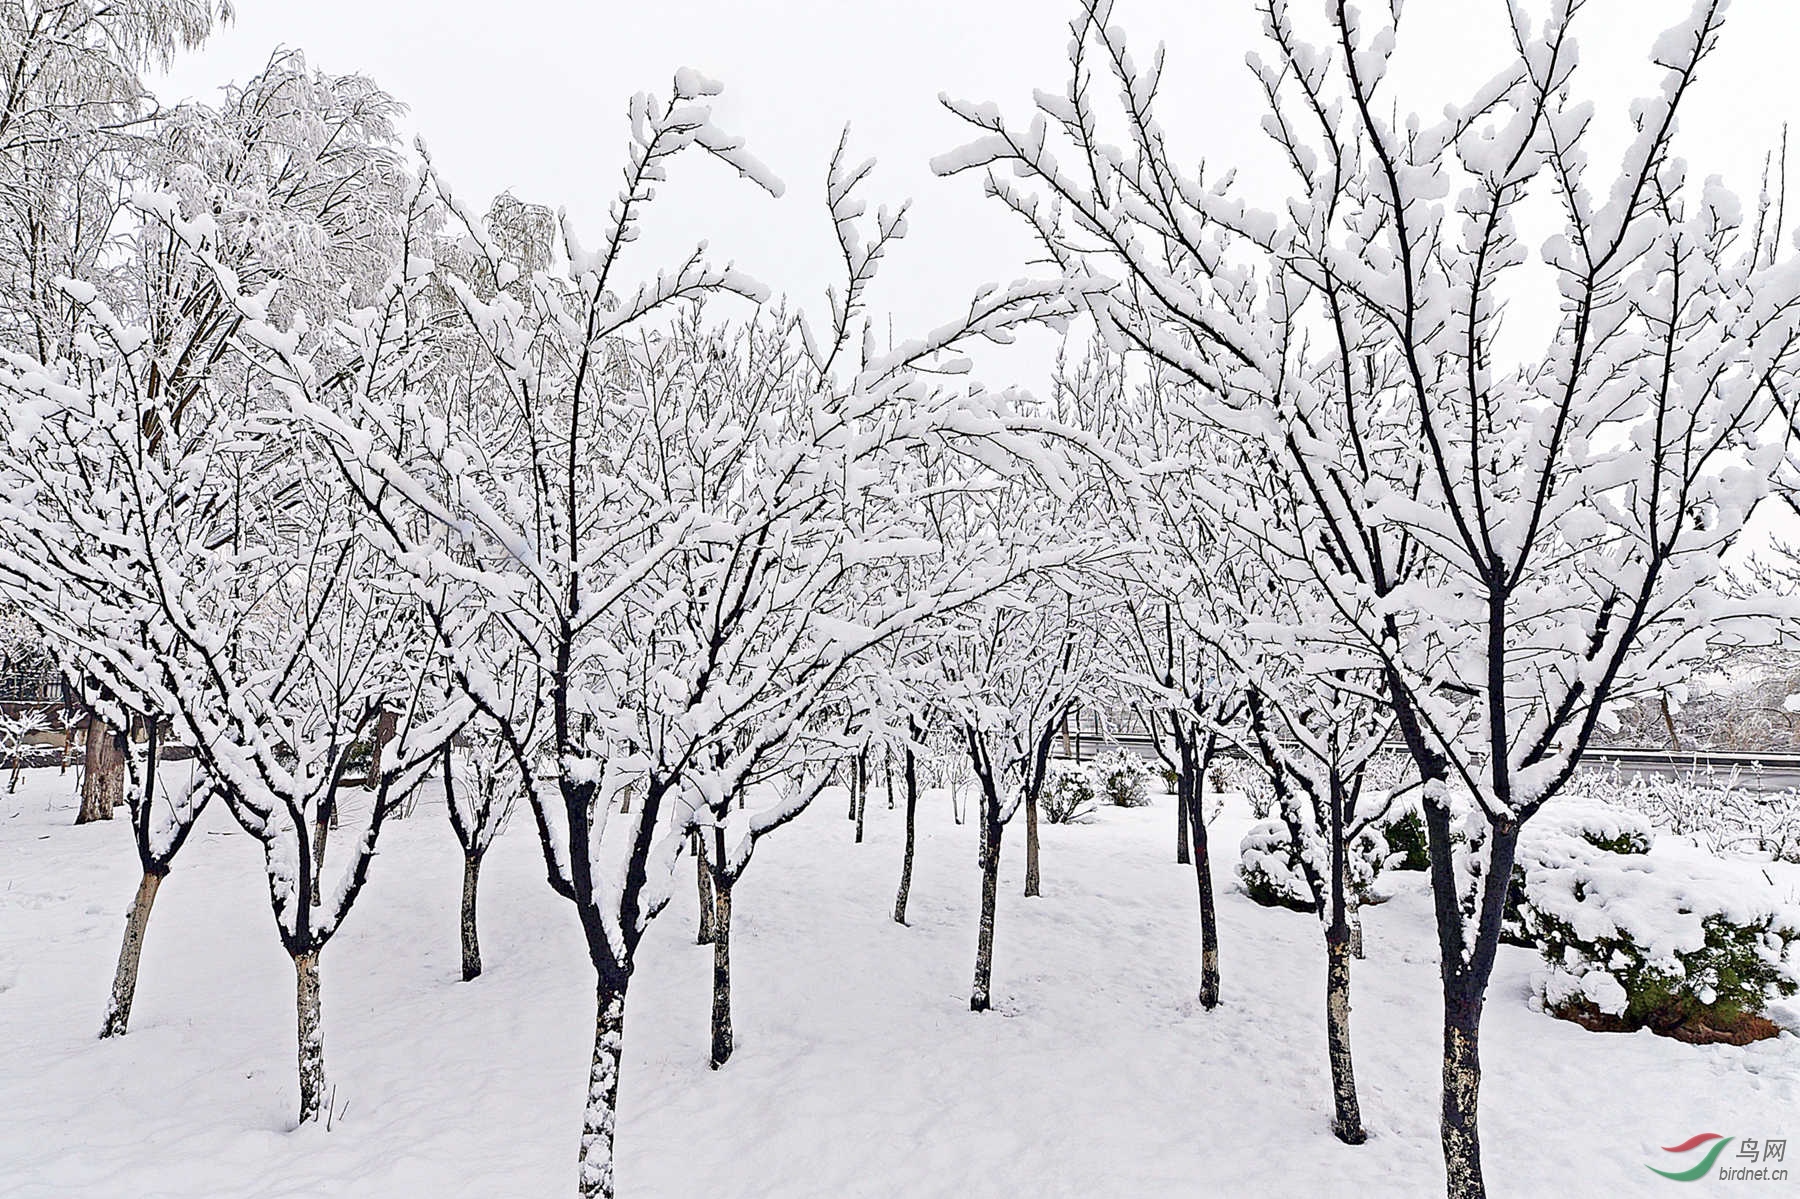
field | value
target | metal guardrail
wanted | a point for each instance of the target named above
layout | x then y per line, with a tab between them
1715	759
1772	769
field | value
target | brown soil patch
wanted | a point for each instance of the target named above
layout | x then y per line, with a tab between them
1714	1028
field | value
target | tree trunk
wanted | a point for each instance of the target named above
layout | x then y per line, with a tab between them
906	863
862	806
603	1094
124	989
320	829
1031	844
1346	1122
1462	1089
721	1003
103	774
888	769
990	893
1209	918
471	939
859	784
1181	825
386	725
703	880
1466	974
311	1035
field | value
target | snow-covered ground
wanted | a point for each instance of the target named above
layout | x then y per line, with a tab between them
859	1069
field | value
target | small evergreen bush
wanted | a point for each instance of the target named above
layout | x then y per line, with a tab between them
1686	948
1069	795
1124	779
1270	866
1404	832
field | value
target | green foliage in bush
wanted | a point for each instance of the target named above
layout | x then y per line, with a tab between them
1405	836
1681	946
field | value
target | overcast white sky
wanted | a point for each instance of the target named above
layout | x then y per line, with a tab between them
530	95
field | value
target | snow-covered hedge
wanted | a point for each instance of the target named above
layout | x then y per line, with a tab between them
1603	826
1124	779
1585	823
1069	795
1682	946
1269	865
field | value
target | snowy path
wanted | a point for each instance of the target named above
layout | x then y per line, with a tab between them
859	1070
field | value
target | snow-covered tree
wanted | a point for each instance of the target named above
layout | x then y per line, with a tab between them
893	694
238	596
1186	692
76	132
184	535
1010	671
1317	715
1521	537
271	188
617	533
481	789
75	129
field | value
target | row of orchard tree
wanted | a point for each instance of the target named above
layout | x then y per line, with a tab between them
299	447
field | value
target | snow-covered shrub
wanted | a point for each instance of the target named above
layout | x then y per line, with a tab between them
1403	826
1603	826
1069	795
1686	948
1124	779
15	734
1238	774
1270	866
1727	812
1271	869
1404	832
1585	825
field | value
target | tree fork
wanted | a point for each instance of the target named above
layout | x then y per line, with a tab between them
1466	977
